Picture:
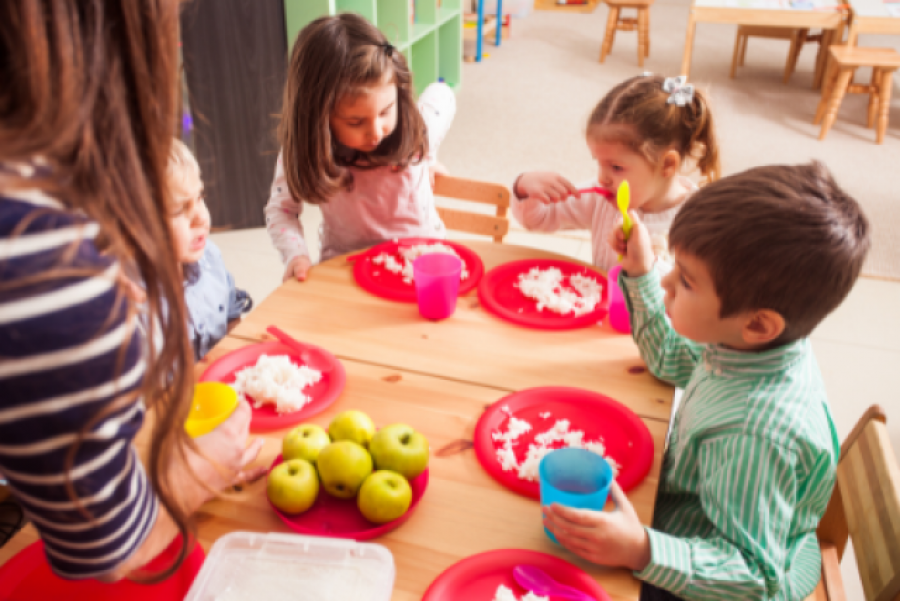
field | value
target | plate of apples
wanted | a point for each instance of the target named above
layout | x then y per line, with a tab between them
349	480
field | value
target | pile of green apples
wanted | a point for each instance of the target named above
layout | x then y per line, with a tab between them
350	459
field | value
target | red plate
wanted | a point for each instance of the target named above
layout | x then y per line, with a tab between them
626	437
500	296
377	280
478	576
27	576
341	518
323	394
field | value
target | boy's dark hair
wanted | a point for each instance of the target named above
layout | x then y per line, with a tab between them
333	57
781	237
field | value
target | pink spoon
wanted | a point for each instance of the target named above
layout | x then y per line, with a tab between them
539	582
312	356
601	191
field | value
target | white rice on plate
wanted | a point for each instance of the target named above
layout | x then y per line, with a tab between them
275	380
544	442
504	593
546	287
410	254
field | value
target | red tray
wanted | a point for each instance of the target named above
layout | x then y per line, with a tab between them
624	434
478	576
341	518
500	296
27	576
377	280
323	394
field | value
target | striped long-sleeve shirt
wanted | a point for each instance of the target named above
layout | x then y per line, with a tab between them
67	350
749	468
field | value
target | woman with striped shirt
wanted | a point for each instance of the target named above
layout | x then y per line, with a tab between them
761	258
87	111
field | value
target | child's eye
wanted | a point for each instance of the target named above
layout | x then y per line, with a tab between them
354	123
684	282
618	168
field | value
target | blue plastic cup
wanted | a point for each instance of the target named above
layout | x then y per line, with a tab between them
575	478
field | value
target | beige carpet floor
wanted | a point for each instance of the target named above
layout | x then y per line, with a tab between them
524	108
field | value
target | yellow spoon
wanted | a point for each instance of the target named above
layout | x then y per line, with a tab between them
623	196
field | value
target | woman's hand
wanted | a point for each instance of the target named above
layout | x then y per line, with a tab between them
298	268
609	538
636	252
544	186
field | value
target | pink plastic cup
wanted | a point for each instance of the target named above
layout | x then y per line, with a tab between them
437	284
618	311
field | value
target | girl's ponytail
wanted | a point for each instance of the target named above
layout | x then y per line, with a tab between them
703	144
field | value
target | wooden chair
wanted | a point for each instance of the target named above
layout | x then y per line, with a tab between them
615	22
842	66
865	505
798	38
496	225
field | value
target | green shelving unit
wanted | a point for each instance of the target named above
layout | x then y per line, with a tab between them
430	36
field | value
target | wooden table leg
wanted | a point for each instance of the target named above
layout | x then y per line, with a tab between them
884	104
642	35
874	94
688	46
610	35
822	58
837	95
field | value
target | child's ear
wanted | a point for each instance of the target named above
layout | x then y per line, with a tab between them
762	327
671	163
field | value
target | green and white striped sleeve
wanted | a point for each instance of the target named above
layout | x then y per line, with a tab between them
748	493
669	355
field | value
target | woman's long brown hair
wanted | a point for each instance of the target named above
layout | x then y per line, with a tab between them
89	86
335	56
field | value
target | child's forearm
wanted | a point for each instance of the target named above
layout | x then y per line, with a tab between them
284	228
668	355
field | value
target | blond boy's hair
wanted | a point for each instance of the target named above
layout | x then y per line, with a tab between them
183	171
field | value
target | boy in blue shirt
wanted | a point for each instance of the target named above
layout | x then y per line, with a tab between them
761	258
214	303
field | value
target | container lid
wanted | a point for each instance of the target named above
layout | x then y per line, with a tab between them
275	566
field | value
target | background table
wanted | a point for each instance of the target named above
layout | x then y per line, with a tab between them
871	16
439	377
717	11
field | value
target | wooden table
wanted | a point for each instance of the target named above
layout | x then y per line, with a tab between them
716	11
871	16
439	377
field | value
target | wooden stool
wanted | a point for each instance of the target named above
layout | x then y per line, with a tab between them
798	37
617	22
839	81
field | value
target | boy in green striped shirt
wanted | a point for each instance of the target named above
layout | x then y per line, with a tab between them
760	259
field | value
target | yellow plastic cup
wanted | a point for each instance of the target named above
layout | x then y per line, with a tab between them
213	403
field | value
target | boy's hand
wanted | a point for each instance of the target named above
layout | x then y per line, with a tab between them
436	168
544	186
609	538
297	268
637	253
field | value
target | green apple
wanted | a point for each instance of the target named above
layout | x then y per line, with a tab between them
293	486
343	466
384	496
352	425
304	442
401	449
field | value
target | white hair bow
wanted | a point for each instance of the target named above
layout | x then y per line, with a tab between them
680	92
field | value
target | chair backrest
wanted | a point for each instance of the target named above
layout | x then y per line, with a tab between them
865	506
496	225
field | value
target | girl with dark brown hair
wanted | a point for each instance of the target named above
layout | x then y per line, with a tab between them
645	130
87	112
355	143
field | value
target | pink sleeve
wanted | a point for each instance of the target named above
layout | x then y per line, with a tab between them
283	218
573	213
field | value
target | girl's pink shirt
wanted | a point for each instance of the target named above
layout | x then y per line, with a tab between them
384	203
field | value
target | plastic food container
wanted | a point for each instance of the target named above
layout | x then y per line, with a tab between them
275	567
